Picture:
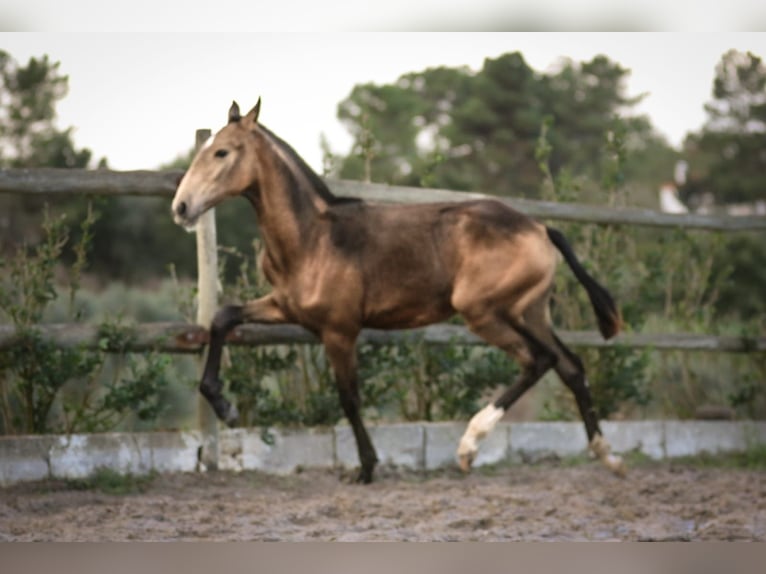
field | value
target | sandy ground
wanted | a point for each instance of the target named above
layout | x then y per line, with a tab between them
546	501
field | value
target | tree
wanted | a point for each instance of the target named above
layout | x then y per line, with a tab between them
727	160
728	157
30	138
498	125
584	99
453	128
28	98
397	127
135	237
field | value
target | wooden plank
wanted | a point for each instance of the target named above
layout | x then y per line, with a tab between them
155	183
552	210
167	337
207	303
173	337
59	181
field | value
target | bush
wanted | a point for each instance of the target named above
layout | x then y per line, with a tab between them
45	388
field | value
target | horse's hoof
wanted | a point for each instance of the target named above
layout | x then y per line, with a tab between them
616	465
602	450
465	460
232	417
364	476
466	454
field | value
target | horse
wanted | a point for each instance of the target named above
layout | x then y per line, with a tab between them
337	265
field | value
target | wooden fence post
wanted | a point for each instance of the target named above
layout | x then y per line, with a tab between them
207	303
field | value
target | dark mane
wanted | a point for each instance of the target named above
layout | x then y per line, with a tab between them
319	185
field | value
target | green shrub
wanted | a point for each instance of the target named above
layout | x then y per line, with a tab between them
46	388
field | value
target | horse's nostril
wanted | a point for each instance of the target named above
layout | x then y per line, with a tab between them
181	208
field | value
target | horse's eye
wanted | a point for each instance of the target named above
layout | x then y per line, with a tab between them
221	153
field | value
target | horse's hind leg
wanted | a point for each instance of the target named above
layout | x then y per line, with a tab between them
570	369
341	351
535	359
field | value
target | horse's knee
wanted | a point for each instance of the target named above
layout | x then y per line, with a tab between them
545	360
226	318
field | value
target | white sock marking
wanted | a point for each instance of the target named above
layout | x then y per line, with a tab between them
603	451
480	426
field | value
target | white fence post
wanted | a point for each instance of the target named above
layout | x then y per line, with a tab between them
207	303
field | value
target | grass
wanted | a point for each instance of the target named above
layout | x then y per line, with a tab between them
754	458
110	481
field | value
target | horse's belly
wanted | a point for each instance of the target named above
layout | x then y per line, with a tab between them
407	314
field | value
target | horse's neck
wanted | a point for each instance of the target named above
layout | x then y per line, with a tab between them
288	209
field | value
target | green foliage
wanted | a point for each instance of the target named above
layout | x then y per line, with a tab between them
33	373
28	279
443	127
686	274
29	138
140	390
731	144
430	382
109	481
727	165
752	458
483	126
617	376
664	281
137	236
28	97
740	292
47	388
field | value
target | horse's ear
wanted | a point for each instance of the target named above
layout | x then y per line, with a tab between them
234	112
255	111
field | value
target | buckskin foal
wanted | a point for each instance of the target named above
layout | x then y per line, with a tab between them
337	265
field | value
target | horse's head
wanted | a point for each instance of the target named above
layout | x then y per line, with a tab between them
219	170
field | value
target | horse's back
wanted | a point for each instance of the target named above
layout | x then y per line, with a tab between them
411	257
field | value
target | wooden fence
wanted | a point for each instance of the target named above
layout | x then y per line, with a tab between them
185	338
58	182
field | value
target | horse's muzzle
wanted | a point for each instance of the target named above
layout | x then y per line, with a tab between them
182	216
180	209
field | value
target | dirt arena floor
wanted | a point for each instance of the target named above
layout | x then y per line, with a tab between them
545	501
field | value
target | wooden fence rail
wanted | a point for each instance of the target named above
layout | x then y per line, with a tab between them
180	337
172	337
186	338
163	183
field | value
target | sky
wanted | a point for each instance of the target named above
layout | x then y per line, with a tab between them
137	98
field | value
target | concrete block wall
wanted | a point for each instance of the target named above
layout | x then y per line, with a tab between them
408	445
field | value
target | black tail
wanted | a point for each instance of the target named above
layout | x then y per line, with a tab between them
609	319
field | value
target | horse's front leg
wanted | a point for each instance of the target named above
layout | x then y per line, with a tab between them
341	351
263	310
